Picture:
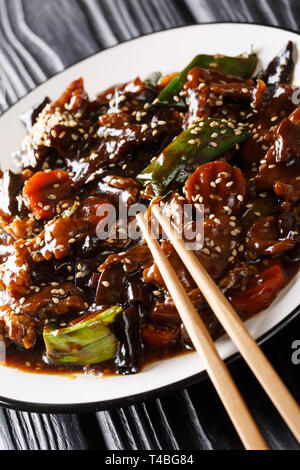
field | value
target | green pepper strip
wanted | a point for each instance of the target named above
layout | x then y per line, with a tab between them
87	342
241	66
260	207
193	147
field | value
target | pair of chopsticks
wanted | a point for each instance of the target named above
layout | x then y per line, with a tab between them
203	343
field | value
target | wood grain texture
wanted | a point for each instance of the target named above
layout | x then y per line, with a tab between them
28	431
39	38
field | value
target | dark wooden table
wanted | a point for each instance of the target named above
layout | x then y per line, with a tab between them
38	38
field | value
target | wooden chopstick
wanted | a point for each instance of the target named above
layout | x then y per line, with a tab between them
235	328
218	372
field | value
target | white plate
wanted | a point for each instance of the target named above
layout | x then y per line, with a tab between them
166	51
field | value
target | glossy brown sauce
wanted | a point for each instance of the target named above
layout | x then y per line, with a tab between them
34	361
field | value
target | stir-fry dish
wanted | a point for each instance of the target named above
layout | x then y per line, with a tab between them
217	136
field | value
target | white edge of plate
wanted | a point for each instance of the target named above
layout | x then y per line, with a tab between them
164	51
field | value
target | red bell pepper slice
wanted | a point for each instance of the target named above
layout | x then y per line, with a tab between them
160	337
44	190
264	288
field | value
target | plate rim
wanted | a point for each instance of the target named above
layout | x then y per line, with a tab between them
103	405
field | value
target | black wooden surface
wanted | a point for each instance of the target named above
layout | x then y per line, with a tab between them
38	38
